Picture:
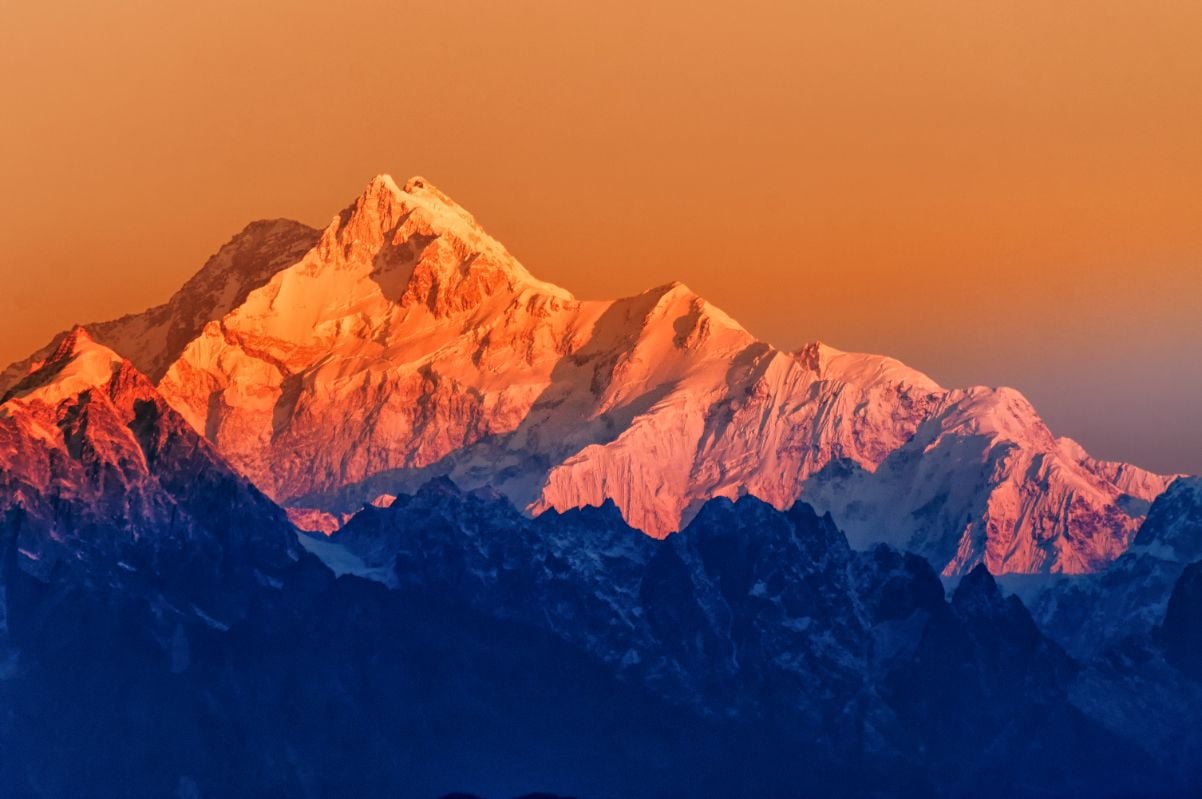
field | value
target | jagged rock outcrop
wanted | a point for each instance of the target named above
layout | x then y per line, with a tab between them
1146	683
103	483
754	613
755	653
1091	613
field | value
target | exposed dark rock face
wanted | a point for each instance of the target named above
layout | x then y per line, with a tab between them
1182	629
1089	614
753	654
769	620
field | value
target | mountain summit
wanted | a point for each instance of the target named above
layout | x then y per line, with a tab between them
403	342
102	482
76	364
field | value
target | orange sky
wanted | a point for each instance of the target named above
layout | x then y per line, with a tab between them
1002	193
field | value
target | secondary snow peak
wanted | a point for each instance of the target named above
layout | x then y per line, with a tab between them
77	364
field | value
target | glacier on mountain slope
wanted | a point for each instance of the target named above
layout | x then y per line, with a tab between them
402	343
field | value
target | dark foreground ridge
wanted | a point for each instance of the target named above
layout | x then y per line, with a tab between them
753	654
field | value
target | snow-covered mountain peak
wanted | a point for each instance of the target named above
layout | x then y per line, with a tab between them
421	249
829	363
1072	448
1000	413
1173	530
78	342
403	342
387	272
153	339
691	314
78	364
385	183
420	190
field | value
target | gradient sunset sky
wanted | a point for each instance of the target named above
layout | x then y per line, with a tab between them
1007	193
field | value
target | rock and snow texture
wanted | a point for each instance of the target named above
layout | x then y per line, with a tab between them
102	482
403	343
153	339
982	480
1087	614
745	596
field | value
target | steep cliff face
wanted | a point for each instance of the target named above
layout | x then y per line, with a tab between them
1091	613
406	343
102	483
